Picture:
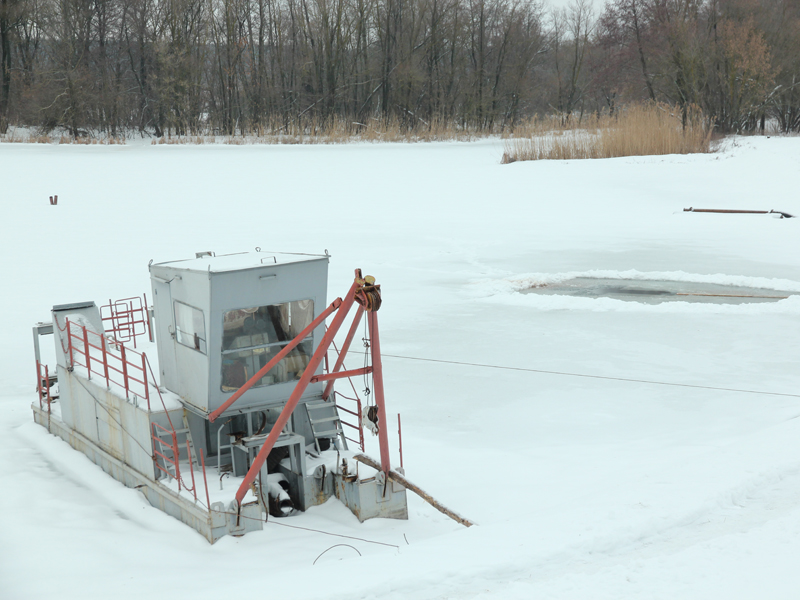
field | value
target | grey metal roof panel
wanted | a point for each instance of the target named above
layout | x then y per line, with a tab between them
240	261
72	306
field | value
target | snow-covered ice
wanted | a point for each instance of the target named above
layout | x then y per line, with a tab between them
581	488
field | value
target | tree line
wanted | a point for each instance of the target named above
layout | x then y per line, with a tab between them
180	67
738	60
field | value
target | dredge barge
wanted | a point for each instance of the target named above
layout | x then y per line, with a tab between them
239	417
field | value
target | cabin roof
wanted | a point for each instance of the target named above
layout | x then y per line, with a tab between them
239	261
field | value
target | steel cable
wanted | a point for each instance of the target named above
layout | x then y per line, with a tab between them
564	373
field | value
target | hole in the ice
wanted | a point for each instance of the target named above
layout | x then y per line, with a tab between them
656	292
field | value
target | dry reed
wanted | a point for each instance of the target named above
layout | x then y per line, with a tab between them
337	130
16	136
639	130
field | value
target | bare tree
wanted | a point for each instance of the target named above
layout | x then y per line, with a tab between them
571	30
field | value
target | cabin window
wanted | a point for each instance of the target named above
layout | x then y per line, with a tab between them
190	327
251	337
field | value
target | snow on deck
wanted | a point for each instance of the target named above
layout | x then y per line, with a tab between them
222	487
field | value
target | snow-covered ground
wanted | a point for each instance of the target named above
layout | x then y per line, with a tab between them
581	488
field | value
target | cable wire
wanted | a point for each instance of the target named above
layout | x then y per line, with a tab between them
335	546
349	537
647	381
366	341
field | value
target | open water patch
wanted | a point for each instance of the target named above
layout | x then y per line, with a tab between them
654	291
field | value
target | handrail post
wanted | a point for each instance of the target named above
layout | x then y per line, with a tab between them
69	345
154	439
176	455
144	377
87	352
39	382
205	480
191	468
124	368
113	319
131	324
47	386
105	359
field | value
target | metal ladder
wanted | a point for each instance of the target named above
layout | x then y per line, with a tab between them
189	439
169	466
325	416
164	463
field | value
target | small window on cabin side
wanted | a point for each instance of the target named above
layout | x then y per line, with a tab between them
190	328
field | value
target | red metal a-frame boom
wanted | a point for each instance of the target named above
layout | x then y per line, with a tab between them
367	295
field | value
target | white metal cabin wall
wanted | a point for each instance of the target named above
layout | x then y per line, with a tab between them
162	322
191	378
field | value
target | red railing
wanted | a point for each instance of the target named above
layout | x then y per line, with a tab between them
43	388
357	413
160	445
191	469
129	370
176	463
126	319
111	361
